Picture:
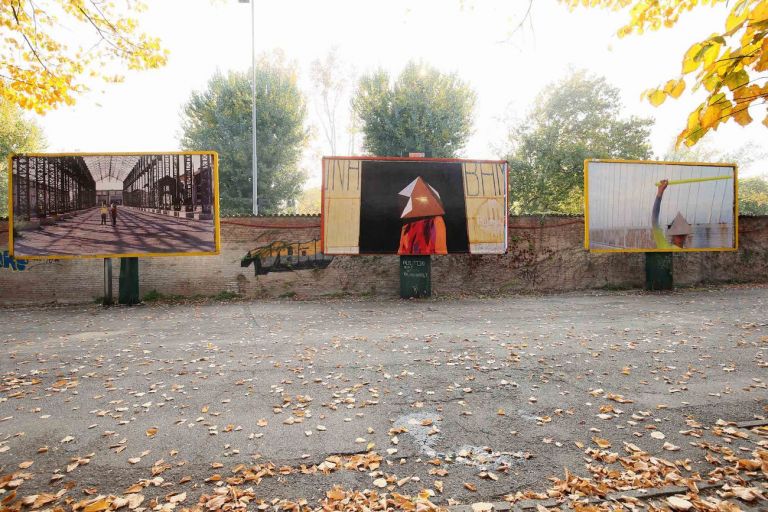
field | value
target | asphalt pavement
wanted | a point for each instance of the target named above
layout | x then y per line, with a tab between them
443	391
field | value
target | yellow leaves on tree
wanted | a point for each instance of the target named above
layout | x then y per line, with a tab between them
50	48
731	66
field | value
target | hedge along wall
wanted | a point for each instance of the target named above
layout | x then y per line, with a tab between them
546	254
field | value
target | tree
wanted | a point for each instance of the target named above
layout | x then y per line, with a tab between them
331	79
17	135
329	85
43	64
575	119
423	111
219	118
309	201
727	64
753	196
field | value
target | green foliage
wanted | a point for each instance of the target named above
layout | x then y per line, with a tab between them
309	202
572	120
219	118
225	295
173	298
17	135
423	111
153	296
753	196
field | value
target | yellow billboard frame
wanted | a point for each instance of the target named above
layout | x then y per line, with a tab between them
216	216
733	166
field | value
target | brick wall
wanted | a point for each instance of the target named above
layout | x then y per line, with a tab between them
545	255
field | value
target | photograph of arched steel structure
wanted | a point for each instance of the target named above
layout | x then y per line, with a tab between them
647	206
113	205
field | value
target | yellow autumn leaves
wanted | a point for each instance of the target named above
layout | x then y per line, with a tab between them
727	65
40	70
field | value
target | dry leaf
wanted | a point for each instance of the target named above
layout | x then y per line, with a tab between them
98	505
134	500
676	503
336	494
602	443
178	498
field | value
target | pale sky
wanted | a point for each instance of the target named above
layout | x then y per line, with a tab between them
471	38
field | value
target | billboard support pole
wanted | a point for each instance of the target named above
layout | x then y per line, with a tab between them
658	271
107	298
129	281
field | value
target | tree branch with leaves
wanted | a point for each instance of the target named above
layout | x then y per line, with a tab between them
731	66
43	66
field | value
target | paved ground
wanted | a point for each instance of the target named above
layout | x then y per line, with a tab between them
516	386
135	232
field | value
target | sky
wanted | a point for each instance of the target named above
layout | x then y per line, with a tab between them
481	40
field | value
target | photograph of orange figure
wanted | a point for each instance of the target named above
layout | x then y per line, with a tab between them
100	205
413	206
424	228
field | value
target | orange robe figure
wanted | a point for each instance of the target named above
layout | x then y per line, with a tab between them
424	229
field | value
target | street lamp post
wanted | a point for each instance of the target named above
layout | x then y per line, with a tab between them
253	106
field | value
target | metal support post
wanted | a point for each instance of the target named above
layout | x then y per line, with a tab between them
658	271
129	281
107	299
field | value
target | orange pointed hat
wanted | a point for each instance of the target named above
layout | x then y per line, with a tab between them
423	200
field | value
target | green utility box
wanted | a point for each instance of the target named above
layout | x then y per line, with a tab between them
415	277
658	271
129	281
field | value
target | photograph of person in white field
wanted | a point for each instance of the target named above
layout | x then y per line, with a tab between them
653	206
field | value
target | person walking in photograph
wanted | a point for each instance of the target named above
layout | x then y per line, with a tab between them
113	213
103	213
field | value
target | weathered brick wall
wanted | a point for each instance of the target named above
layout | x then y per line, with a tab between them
545	254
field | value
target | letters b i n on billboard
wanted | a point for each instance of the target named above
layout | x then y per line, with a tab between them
639	206
114	205
413	206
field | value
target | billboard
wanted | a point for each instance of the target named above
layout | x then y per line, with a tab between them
643	206
100	205
413	206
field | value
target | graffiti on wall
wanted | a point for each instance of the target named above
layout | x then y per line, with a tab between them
281	256
9	262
